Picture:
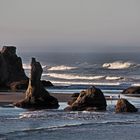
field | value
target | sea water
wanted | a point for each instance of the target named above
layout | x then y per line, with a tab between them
72	73
87	68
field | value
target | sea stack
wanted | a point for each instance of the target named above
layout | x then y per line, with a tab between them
90	100
124	106
11	71
36	95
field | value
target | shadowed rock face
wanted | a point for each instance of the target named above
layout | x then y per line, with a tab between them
11	69
36	95
92	100
124	106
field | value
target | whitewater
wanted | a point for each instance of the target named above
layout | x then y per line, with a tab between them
80	70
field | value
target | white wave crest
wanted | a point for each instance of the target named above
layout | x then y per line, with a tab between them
86	83
118	65
61	67
28	66
72	77
113	78
136	84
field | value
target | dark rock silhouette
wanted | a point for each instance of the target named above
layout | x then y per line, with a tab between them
47	83
124	106
132	90
11	69
36	95
92	100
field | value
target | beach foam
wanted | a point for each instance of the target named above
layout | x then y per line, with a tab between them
118	65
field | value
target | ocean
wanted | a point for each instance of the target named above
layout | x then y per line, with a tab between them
70	73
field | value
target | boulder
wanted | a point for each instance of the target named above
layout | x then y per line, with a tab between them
74	96
36	95
92	100
11	69
124	106
132	90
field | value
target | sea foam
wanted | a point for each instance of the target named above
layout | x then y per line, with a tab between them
61	68
73	77
28	66
113	78
86	83
118	65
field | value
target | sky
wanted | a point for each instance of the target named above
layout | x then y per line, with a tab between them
70	25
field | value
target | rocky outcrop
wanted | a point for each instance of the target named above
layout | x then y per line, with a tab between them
132	90
47	83
74	97
36	95
124	106
91	100
11	69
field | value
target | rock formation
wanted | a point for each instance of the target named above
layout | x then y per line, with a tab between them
11	69
36	95
132	90
47	83
74	96
124	106
91	100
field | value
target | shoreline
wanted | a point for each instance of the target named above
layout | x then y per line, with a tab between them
7	98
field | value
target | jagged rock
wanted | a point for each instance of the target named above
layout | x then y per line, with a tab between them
47	83
124	106
11	69
36	95
132	90
92	100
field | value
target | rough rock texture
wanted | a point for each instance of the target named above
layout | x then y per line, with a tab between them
11	69
73	98
124	106
36	95
132	90
92	100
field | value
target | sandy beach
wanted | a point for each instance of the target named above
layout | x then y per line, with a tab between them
11	97
7	98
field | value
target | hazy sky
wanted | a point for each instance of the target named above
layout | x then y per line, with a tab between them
70	25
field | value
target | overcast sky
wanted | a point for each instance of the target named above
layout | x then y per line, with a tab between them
70	25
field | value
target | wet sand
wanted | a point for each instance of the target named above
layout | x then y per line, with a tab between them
11	97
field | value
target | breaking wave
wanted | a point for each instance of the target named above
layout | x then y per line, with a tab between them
26	66
118	65
86	83
114	78
61	67
73	77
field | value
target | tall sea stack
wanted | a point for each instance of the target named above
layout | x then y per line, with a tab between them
36	96
11	70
